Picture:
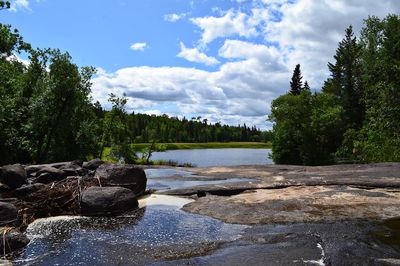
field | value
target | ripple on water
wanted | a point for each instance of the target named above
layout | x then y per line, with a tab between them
151	232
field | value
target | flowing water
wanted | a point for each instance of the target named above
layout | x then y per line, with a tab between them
157	230
160	179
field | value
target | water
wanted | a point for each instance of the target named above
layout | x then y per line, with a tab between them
160	179
216	157
156	231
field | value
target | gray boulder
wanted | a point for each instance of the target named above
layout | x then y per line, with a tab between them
12	239
48	174
27	189
104	201
13	175
8	213
128	176
73	169
93	164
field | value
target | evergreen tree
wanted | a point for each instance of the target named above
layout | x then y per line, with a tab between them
306	86
296	85
345	81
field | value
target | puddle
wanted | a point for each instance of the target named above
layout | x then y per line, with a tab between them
171	201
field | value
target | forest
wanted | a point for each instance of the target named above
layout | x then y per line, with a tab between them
47	113
356	115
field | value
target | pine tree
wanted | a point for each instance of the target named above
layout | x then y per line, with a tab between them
296	85
345	81
306	86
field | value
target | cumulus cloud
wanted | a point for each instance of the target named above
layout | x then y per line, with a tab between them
231	24
139	46
194	55
251	72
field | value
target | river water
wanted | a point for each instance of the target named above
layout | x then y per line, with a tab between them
216	157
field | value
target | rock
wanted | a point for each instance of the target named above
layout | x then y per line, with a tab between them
4	188
28	189
8	213
48	174
93	164
13	240
73	169
97	201
128	176
13	176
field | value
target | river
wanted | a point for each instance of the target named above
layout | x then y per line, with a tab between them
216	157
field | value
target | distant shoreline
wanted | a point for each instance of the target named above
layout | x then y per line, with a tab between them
206	145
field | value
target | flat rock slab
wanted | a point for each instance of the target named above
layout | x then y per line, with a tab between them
293	194
300	204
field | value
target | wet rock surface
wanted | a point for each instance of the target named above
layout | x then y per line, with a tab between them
8	213
11	240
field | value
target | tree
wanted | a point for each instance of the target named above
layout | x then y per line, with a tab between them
346	79
296	85
306	86
4	5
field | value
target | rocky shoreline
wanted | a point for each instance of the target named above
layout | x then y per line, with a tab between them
91	188
350	213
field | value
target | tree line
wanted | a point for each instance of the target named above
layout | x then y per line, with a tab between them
47	114
356	115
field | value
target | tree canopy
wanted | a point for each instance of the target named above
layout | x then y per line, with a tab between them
356	116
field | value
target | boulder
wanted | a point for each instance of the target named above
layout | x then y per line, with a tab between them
73	169
128	176
13	175
13	240
93	164
4	188
27	189
8	213
99	201
48	174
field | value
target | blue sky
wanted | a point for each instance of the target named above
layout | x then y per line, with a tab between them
224	60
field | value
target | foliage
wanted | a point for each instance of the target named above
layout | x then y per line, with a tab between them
45	109
356	117
305	125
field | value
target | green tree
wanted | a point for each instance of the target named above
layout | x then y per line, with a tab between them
346	79
296	85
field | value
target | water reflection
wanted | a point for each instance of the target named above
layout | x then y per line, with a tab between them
164	179
155	231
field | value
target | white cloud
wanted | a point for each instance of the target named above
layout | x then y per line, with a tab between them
174	17
194	55
309	31
139	46
231	24
20	5
251	74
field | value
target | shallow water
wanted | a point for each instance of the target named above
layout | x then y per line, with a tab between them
152	232
158	179
216	157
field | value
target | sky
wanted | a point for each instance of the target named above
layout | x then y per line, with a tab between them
223	60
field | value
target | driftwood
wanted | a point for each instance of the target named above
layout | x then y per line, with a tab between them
59	198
